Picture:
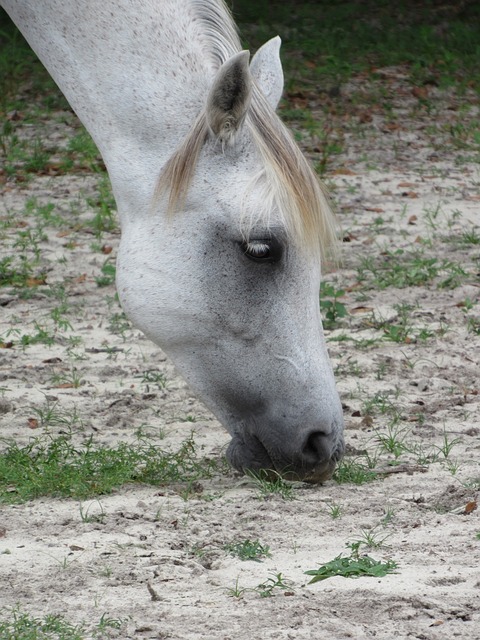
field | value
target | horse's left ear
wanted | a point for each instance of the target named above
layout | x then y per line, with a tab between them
267	71
229	98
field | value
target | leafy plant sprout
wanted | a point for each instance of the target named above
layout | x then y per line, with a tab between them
393	440
248	550
334	510
371	538
352	566
87	515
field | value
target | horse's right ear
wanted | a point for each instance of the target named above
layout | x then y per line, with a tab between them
229	98
266	68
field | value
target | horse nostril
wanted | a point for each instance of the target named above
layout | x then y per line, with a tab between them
316	448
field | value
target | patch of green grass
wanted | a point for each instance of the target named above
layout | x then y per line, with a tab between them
159	379
67	379
118	323
16	271
351	471
334	510
393	440
82	152
269	482
108	274
472	236
22	157
41	336
380	404
248	550
402	269
336	40
17	625
105	209
473	325
55	466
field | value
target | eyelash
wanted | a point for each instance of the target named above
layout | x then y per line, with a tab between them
257	249
265	250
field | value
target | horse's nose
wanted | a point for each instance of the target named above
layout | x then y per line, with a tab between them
314	455
317	448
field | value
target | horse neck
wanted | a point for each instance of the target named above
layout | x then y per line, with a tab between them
136	73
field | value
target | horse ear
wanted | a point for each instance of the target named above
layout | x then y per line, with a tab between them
266	68
229	98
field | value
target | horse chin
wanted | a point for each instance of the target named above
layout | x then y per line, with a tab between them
251	457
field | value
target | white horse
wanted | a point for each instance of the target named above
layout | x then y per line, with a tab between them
223	221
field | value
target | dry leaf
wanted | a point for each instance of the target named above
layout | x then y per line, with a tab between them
34	282
420	92
470	506
32	423
343	171
356	310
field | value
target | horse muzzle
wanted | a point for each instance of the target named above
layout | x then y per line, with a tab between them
311	458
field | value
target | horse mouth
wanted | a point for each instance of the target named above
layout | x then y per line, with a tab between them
254	457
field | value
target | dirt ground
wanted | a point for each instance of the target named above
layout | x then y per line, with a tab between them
406	359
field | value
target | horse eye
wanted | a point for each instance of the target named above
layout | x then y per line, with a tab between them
261	250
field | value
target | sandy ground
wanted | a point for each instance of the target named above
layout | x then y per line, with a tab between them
157	561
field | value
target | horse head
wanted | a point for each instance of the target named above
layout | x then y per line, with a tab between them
224	273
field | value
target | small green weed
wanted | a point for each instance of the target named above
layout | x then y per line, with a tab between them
472	236
264	589
151	376
447	445
108	274
371	538
67	379
330	304
89	515
276	581
248	550
119	324
352	566
51	414
393	440
334	510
